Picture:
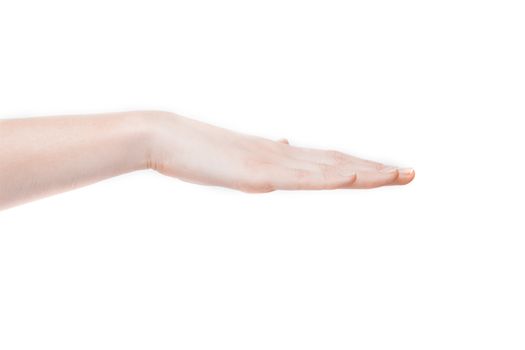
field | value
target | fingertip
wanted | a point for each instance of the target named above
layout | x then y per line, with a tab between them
412	175
406	175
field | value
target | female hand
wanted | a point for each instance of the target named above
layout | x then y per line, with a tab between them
201	153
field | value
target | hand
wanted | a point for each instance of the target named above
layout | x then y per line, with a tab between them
201	153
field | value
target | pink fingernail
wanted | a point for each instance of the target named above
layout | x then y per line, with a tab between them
406	171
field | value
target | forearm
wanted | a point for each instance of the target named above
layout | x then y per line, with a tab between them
48	155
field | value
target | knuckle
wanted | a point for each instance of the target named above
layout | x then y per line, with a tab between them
336	155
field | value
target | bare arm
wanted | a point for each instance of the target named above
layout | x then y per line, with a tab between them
44	156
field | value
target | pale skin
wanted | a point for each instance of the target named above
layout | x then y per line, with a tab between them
48	155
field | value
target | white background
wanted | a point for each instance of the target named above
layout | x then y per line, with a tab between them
147	262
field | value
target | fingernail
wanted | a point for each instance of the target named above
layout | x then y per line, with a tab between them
406	171
388	170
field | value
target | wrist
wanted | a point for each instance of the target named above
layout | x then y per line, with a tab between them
147	127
